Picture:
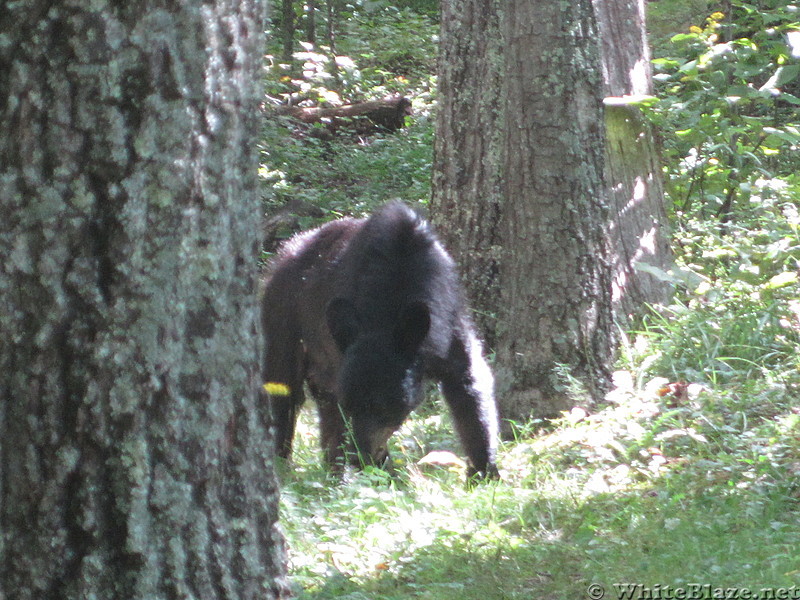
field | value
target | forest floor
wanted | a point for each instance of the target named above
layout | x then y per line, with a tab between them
664	487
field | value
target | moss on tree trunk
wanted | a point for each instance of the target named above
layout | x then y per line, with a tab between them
638	221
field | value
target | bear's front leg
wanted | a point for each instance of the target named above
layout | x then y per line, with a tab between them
468	388
333	432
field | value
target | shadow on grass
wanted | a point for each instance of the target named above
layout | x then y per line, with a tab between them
584	504
729	539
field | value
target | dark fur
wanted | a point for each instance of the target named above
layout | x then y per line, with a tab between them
363	311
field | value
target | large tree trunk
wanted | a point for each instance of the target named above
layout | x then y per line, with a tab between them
523	170
633	169
555	280
135	456
519	191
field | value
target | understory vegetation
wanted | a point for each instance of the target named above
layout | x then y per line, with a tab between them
689	473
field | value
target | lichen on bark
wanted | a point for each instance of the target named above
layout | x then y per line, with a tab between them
135	455
519	192
467	186
555	281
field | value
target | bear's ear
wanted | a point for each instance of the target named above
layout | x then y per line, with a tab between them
412	327
342	322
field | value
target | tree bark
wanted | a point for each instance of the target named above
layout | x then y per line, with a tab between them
311	21
467	198
287	29
638	225
135	455
519	192
330	25
555	280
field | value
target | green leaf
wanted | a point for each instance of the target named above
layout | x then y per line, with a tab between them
790	135
781	280
782	76
790	98
668	63
684	37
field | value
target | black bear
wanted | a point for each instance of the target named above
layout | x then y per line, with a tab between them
363	310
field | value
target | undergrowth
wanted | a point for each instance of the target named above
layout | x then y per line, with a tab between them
348	176
662	486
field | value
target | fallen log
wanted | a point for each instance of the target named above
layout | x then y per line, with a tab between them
388	114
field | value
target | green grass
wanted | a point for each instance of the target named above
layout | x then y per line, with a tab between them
644	491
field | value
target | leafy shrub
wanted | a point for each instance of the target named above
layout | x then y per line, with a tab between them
391	43
380	50
343	177
728	113
728	117
738	316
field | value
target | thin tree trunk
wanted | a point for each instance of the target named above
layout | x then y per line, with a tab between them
287	29
311	21
135	455
633	170
330	27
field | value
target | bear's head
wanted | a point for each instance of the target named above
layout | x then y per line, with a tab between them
380	378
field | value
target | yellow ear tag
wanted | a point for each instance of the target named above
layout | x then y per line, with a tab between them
276	389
